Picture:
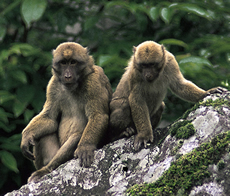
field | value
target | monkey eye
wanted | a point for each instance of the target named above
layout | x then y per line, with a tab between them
63	62
73	62
145	65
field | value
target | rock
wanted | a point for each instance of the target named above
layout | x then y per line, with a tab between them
189	157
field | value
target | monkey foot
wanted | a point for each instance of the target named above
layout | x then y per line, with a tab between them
129	131
85	155
139	140
35	177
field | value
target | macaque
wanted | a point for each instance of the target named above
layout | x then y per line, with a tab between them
137	104
75	115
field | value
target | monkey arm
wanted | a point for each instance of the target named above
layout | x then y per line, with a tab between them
91	136
141	118
96	110
188	91
43	124
180	86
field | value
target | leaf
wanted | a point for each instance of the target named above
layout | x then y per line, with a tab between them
10	7
28	114
8	160
11	143
24	49
193	65
154	13
90	22
7	127
32	10
191	8
38	99
2	31
105	59
25	95
19	76
18	108
5	96
3	115
196	60
166	15
174	42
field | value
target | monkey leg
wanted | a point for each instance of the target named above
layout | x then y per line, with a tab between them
45	149
120	120
64	154
156	117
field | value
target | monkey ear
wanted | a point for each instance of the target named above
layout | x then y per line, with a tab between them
134	49
53	51
86	50
163	48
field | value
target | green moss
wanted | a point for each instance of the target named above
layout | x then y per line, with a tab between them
177	147
221	165
216	103
188	170
182	129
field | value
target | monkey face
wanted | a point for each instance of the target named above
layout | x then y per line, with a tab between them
149	72
69	72
149	59
70	63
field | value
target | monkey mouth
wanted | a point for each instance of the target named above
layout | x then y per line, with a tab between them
71	86
149	79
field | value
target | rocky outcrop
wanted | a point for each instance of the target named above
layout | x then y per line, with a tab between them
189	157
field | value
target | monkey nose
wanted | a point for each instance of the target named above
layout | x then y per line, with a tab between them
149	78
68	76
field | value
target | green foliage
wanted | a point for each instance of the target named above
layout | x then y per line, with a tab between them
221	165
214	103
182	129
188	170
32	10
195	31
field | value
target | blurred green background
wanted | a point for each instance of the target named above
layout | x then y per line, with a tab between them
195	31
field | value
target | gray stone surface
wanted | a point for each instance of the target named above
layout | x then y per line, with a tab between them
117	166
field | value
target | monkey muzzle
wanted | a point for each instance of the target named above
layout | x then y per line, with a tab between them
149	77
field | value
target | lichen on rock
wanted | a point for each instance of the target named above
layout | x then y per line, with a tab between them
189	157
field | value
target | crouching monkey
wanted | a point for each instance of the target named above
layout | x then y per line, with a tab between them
137	104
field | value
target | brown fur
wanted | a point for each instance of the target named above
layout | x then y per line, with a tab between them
75	115
137	102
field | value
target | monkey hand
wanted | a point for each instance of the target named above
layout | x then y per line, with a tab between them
142	139
27	141
85	154
35	177
129	131
216	90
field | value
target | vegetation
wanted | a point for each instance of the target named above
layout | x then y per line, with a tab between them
214	103
196	32
182	129
188	170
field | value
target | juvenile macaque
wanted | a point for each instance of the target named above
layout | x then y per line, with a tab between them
75	115
137	104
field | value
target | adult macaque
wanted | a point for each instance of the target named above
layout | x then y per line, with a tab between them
75	115
137	104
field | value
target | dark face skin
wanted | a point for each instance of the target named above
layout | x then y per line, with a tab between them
150	71
69	72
